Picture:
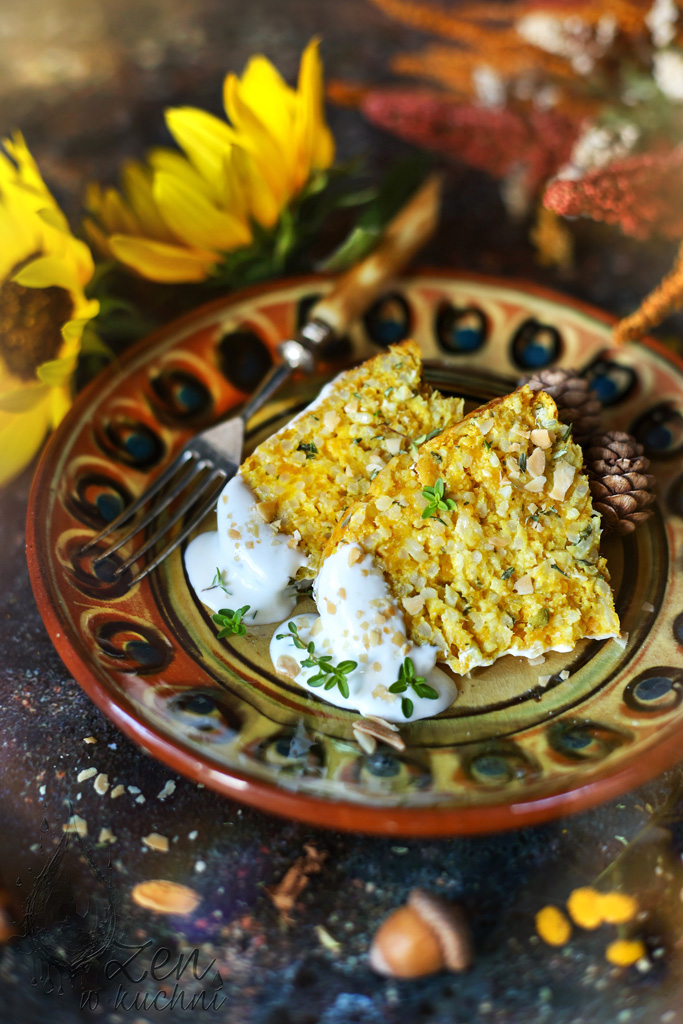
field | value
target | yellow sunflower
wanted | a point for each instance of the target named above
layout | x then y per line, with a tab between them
43	308
180	213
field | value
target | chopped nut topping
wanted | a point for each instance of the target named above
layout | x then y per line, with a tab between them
562	480
536	462
354	555
542	438
157	842
524	585
535	486
413	605
166	897
287	666
379	730
267	510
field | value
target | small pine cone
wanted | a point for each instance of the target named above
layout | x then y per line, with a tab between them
576	403
620	485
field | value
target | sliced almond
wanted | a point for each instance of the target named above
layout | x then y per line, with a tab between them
542	438
266	509
287	666
536	462
354	555
166	897
562	480
535	486
157	842
378	730
413	605
524	585
485	426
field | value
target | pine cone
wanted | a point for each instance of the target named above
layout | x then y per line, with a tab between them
576	403
620	484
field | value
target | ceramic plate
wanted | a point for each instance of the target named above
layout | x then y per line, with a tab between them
514	749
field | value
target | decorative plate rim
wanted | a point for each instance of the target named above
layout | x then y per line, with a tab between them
263	795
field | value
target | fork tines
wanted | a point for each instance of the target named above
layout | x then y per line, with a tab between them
194	483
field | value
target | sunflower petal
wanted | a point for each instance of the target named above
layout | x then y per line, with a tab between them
56	372
255	137
21	437
204	137
313	139
96	236
137	182
265	91
23	398
262	203
116	214
46	272
196	220
72	331
61	401
159	261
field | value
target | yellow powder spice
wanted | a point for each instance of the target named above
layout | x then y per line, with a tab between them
584	906
552	926
624	952
617	907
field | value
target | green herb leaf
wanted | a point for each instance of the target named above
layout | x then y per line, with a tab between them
436	500
508	573
309	448
407	707
217	581
522	462
328	675
540	619
231	621
554	566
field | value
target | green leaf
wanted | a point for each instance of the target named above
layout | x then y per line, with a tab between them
344	688
398	687
407	707
427	691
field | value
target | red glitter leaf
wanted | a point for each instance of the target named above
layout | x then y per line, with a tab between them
495	140
641	194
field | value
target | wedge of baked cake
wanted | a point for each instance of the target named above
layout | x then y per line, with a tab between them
304	476
487	537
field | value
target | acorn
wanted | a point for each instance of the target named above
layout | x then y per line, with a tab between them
425	936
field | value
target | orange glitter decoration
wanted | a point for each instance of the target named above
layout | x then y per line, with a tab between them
666	298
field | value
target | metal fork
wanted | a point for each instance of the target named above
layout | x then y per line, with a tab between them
198	474
203	467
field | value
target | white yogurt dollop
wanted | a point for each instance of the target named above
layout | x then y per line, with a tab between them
359	621
256	563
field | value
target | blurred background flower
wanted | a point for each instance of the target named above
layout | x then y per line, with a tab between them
576	107
234	186
44	310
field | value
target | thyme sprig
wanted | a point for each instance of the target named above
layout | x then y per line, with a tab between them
217	581
436	500
328	675
231	621
408	680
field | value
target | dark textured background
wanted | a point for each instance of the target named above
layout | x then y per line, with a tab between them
87	83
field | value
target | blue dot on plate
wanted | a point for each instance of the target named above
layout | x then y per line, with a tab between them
139	446
109	506
653	688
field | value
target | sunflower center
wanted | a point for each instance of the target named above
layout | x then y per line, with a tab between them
30	323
